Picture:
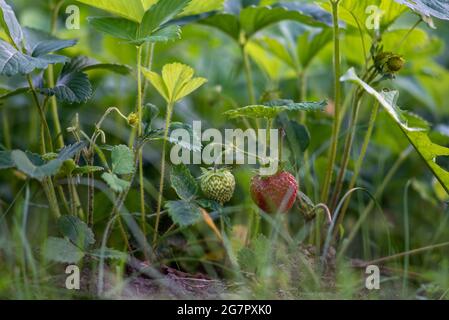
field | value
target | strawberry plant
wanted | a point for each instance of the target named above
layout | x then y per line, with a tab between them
258	149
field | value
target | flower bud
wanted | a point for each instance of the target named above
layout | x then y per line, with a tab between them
133	119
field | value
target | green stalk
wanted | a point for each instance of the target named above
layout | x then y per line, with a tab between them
337	92
51	82
5	125
162	179
359	163
139	132
347	152
46	129
49	190
249	76
349	141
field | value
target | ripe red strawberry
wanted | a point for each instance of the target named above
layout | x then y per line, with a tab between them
275	193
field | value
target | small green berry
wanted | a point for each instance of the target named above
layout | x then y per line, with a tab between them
218	185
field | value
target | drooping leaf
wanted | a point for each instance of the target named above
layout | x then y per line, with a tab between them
10	24
39	43
429	8
227	23
62	250
39	172
254	19
183	182
272	109
13	62
108	253
122	160
115	183
72	86
183	213
76	231
414	128
83	63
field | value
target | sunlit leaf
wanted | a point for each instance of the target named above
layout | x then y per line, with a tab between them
414	128
176	82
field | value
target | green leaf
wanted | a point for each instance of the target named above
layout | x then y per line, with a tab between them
115	183
183	213
429	8
72	86
278	49
176	81
69	151
169	33
254	19
13	62
10	24
117	27
227	23
253	259
76	231
310	45
122	160
61	250
183	182
83	63
24	164
414	128
194	145
149	113
40	43
129	9
272	109
159	14
108	253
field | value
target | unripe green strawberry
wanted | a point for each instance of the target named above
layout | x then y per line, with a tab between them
218	184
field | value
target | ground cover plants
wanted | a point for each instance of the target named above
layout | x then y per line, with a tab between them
320	170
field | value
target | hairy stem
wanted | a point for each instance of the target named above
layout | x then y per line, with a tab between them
337	92
46	130
139	132
51	82
162	179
